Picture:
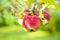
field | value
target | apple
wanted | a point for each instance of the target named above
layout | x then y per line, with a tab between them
46	18
31	23
46	15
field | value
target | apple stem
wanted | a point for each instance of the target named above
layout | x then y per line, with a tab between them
34	7
33	10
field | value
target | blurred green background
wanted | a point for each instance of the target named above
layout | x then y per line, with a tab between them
11	30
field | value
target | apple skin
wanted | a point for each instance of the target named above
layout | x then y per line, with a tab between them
31	23
46	15
27	11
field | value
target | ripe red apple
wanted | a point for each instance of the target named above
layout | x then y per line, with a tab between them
46	18
46	15
31	23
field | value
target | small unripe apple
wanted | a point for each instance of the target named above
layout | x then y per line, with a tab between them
31	23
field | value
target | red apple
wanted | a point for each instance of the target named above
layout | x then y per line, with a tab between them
27	11
46	15
46	18
31	23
